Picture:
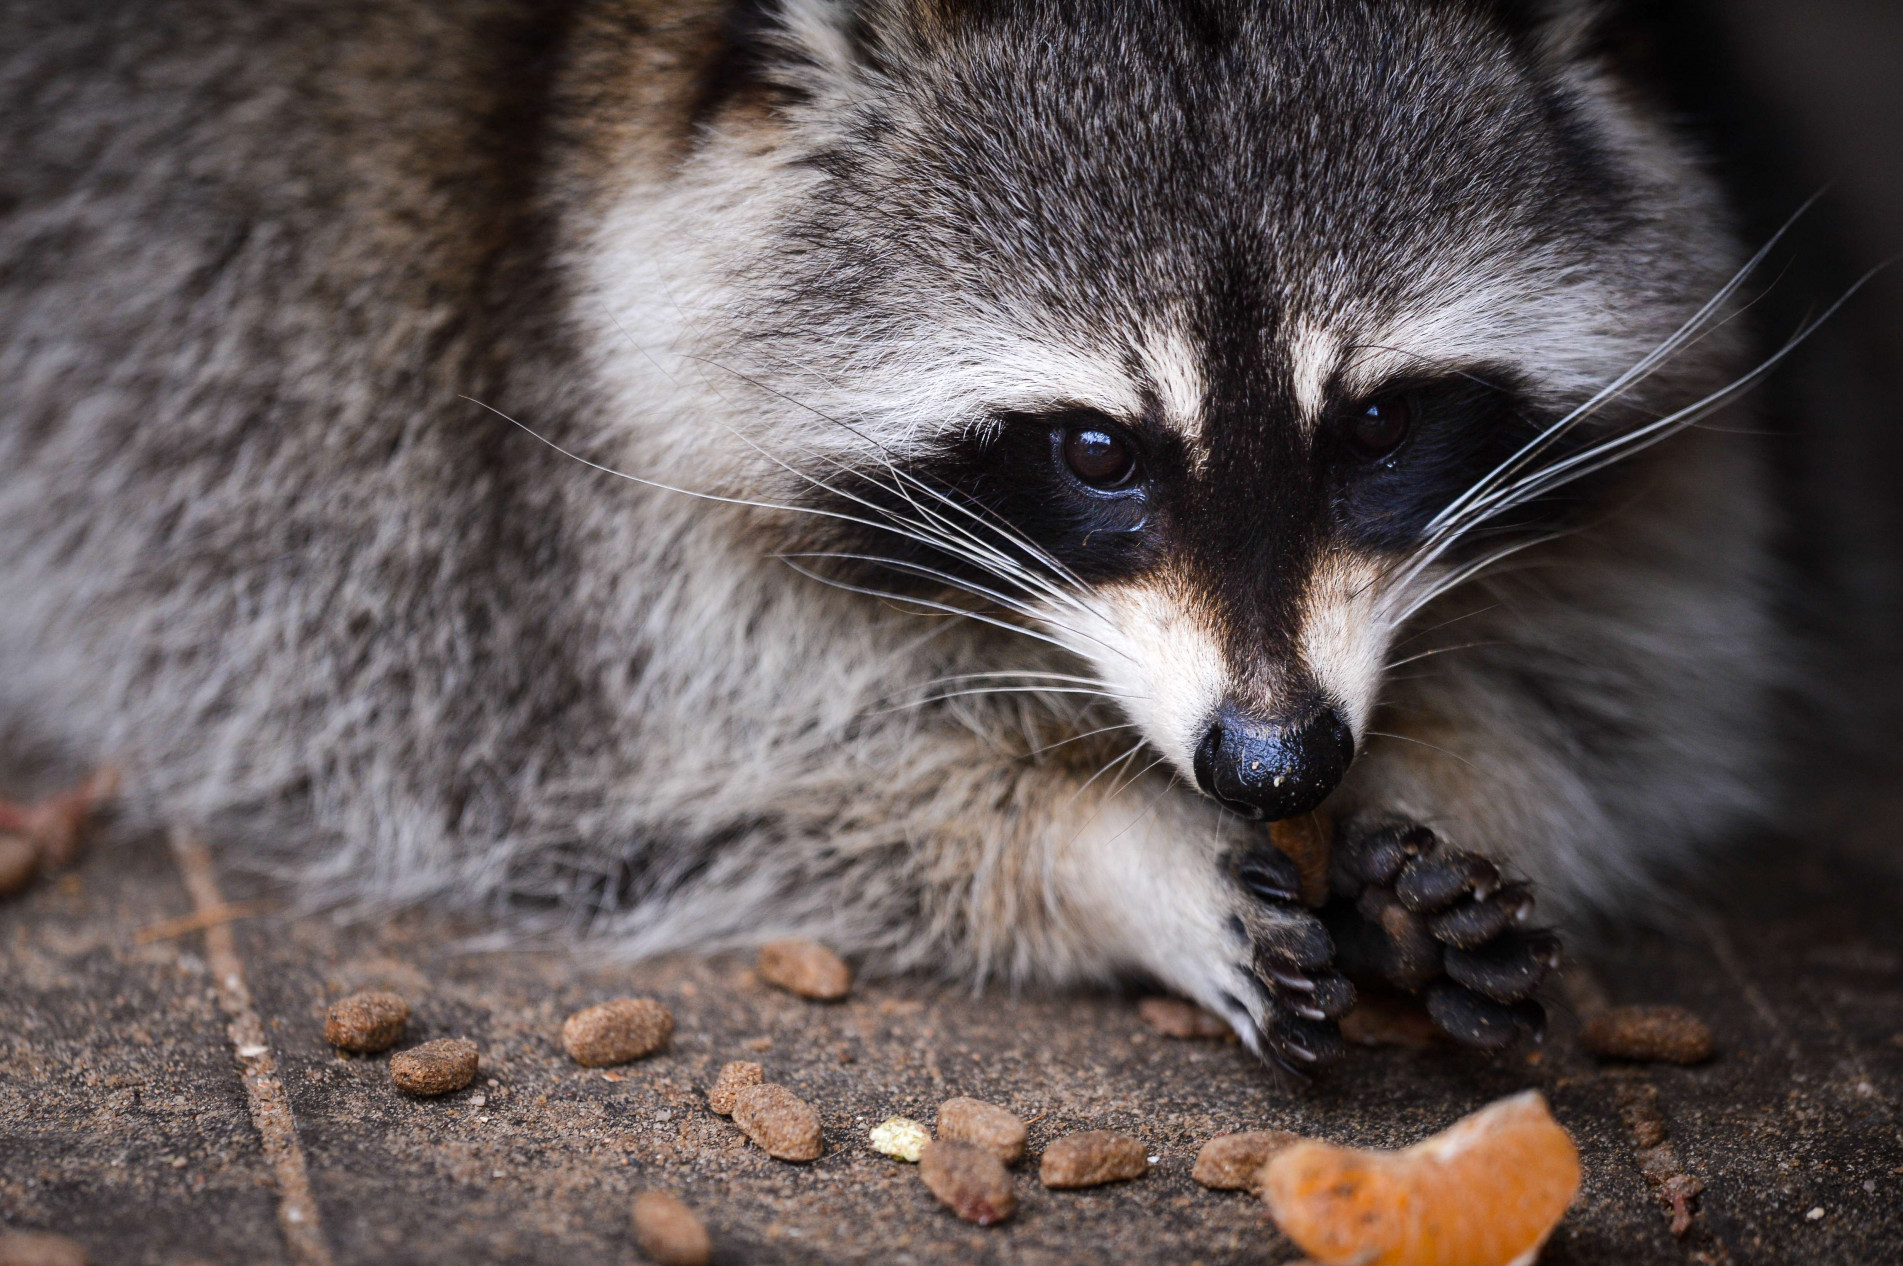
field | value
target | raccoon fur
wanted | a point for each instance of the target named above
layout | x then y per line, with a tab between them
939	476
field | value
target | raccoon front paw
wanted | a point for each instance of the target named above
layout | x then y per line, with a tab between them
1441	923
1289	967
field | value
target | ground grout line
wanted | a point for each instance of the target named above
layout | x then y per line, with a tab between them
264	1093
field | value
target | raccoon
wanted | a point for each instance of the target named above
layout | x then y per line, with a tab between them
941	476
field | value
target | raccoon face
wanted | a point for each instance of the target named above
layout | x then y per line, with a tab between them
1176	332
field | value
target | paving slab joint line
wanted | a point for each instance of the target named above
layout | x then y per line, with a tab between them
264	1092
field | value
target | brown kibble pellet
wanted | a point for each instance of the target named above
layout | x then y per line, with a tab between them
35	1248
1091	1158
1174	1017
435	1068
785	1126
806	968
984	1124
1670	1035
969	1180
616	1032
1230	1162
19	863
366	1022
668	1233
734	1078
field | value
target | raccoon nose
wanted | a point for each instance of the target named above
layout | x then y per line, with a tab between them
1270	770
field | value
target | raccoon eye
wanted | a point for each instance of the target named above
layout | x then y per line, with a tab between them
1378	428
1099	455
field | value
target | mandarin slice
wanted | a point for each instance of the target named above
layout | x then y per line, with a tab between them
1486	1191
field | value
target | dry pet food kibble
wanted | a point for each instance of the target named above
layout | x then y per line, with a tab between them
668	1233
1487	1191
1231	1162
785	1126
1173	1017
806	968
1671	1035
969	1181
19	863
901	1138
1092	1158
734	1078
616	1032
366	1022
987	1125
31	1248
435	1068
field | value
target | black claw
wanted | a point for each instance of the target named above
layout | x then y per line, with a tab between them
1469	1018
1408	955
1531	1016
1428	885
1508	968
1270	875
1471	924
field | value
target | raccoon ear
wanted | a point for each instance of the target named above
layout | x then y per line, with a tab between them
782	50
1564	31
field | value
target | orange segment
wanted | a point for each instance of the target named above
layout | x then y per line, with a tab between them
1487	1191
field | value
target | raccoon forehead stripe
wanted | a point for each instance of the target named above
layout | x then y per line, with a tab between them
1173	368
1313	354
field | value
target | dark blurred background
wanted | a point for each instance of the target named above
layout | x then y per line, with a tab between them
1791	97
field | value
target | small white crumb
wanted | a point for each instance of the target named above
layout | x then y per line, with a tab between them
1155	1159
478	1100
901	1138
1815	1214
251	1052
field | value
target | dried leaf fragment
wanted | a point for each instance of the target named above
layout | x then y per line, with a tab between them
1486	1191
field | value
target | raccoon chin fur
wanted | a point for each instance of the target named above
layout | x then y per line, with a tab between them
971	463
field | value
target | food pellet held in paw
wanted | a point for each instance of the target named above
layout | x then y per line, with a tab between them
366	1023
435	1068
617	1032
34	1248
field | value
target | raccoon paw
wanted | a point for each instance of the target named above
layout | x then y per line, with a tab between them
1441	923
1289	967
